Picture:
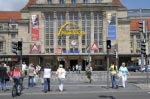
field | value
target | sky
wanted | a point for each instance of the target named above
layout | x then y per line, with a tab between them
16	5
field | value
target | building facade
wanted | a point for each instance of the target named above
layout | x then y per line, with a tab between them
69	32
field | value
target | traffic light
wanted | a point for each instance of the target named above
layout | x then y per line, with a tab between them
108	44
19	45
14	47
142	26
115	54
143	48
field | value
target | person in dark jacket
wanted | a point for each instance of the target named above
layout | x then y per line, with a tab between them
3	76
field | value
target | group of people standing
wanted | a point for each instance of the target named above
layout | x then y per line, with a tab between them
46	75
116	73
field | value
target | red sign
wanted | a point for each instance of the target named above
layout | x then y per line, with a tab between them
35	49
35	27
35	33
94	46
58	51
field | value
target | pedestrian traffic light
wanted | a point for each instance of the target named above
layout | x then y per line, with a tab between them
143	48
108	44
14	47
142	26
19	45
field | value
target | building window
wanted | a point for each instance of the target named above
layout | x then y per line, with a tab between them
131	36
73	1
138	44
1	26
13	36
85	1
51	50
138	36
47	50
1	47
49	1
64	50
13	26
131	44
61	1
138	51
83	50
98	1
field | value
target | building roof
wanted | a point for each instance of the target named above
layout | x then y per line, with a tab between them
119	3
134	24
7	15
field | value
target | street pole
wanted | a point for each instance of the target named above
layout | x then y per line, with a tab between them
147	52
107	68
142	38
21	54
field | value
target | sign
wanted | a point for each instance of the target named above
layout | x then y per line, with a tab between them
94	46
111	32
58	51
74	51
35	28
35	49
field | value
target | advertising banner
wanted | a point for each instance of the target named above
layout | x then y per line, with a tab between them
35	28
111	18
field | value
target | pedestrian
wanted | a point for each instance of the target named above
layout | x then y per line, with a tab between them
31	74
24	69
47	76
73	68
79	68
113	74
88	71
124	72
61	74
3	76
16	75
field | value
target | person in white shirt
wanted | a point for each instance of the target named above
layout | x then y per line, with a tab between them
24	69
61	74
47	76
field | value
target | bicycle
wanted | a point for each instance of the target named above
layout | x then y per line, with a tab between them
17	87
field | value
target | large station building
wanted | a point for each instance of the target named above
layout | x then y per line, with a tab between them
70	32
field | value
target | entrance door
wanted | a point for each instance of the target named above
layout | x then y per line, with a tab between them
73	63
84	63
63	63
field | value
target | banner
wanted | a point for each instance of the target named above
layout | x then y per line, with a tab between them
111	18
35	28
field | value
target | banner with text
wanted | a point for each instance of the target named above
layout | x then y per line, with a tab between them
111	18
35	28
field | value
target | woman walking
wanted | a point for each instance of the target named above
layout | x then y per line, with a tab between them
113	74
124	72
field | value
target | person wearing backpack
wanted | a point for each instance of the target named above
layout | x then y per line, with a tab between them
88	71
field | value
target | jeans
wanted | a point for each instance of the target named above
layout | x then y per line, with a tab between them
113	79
46	84
30	81
3	84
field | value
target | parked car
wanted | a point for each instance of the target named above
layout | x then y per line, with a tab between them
132	68
145	69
